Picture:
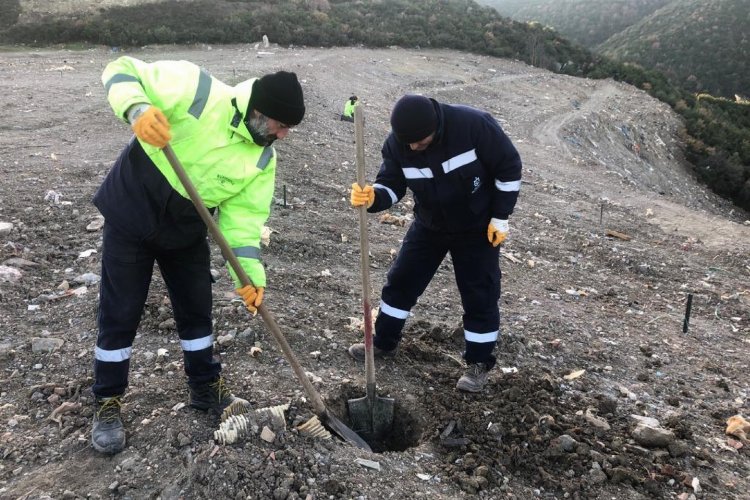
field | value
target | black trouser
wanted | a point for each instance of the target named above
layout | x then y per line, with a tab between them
127	267
477	269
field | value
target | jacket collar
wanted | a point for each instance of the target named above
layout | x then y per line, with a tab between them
240	99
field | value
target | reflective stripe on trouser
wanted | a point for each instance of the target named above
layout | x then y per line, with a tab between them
127	267
477	269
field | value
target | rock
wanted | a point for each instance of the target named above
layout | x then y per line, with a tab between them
168	324
48	344
225	339
596	421
654	437
267	435
6	351
9	274
562	444
183	440
95	224
87	279
678	448
5	228
19	262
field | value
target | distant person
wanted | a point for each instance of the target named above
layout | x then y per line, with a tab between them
465	176
348	114
223	135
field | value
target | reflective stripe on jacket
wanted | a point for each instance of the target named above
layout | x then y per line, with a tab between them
210	138
470	173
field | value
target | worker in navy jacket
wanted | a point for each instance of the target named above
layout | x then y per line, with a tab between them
465	176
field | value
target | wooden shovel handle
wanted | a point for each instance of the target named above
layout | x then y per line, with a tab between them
364	251
226	251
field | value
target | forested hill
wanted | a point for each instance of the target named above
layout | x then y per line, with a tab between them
702	44
455	24
588	22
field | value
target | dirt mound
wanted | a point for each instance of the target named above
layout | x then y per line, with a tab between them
609	238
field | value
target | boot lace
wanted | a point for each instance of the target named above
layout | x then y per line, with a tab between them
109	409
475	370
222	391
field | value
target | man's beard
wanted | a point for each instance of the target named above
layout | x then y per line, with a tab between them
258	128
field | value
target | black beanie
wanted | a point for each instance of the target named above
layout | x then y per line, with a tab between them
413	118
278	96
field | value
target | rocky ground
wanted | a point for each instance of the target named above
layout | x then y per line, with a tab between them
598	393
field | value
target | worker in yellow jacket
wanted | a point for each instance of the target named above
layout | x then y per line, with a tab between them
348	114
223	135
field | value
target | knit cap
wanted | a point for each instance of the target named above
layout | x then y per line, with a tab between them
413	118
279	96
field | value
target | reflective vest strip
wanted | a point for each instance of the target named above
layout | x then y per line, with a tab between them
481	338
197	344
459	161
508	186
417	173
265	158
119	78
201	95
393	312
114	356
247	252
388	190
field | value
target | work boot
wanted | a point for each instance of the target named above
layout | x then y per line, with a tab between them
108	433
357	351
213	395
474	378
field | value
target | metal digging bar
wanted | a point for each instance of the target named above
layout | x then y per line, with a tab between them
372	415
319	407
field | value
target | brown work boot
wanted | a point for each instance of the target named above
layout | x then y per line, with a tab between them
213	395
357	351
474	378
108	433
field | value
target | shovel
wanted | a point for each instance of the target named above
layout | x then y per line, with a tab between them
320	409
372	415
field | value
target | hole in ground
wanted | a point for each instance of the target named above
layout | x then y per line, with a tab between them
405	432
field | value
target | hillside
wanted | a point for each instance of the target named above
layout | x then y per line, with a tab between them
703	45
588	22
610	237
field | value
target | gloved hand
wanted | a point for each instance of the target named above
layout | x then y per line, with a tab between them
362	195
152	127
252	296
497	231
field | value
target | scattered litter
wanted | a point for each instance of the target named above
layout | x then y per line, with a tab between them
574	375
511	257
56	415
86	253
617	234
737	426
371	464
313	428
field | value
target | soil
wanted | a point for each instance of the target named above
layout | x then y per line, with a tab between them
610	237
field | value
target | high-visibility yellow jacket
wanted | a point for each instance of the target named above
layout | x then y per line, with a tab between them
210	138
349	108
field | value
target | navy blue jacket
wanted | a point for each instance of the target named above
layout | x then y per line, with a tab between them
470	173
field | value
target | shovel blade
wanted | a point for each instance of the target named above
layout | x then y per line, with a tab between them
371	416
347	434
